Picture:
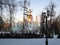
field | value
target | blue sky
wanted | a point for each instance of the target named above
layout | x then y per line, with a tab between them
38	6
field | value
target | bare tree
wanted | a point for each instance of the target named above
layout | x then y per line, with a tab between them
52	13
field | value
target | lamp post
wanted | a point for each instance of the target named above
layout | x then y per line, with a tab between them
46	16
46	32
46	26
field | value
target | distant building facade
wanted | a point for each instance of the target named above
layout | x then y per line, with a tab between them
30	21
17	27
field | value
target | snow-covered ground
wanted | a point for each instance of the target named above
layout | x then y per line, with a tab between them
41	41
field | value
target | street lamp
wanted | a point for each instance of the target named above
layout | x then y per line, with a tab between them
46	15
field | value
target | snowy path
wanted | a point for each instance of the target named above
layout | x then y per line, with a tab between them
29	41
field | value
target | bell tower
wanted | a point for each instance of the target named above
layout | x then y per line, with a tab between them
29	16
29	19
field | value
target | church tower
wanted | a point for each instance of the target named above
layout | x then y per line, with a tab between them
29	16
29	19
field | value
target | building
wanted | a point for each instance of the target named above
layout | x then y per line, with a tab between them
17	27
36	26
30	21
32	25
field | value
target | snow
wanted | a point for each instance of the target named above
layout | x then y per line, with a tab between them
41	41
